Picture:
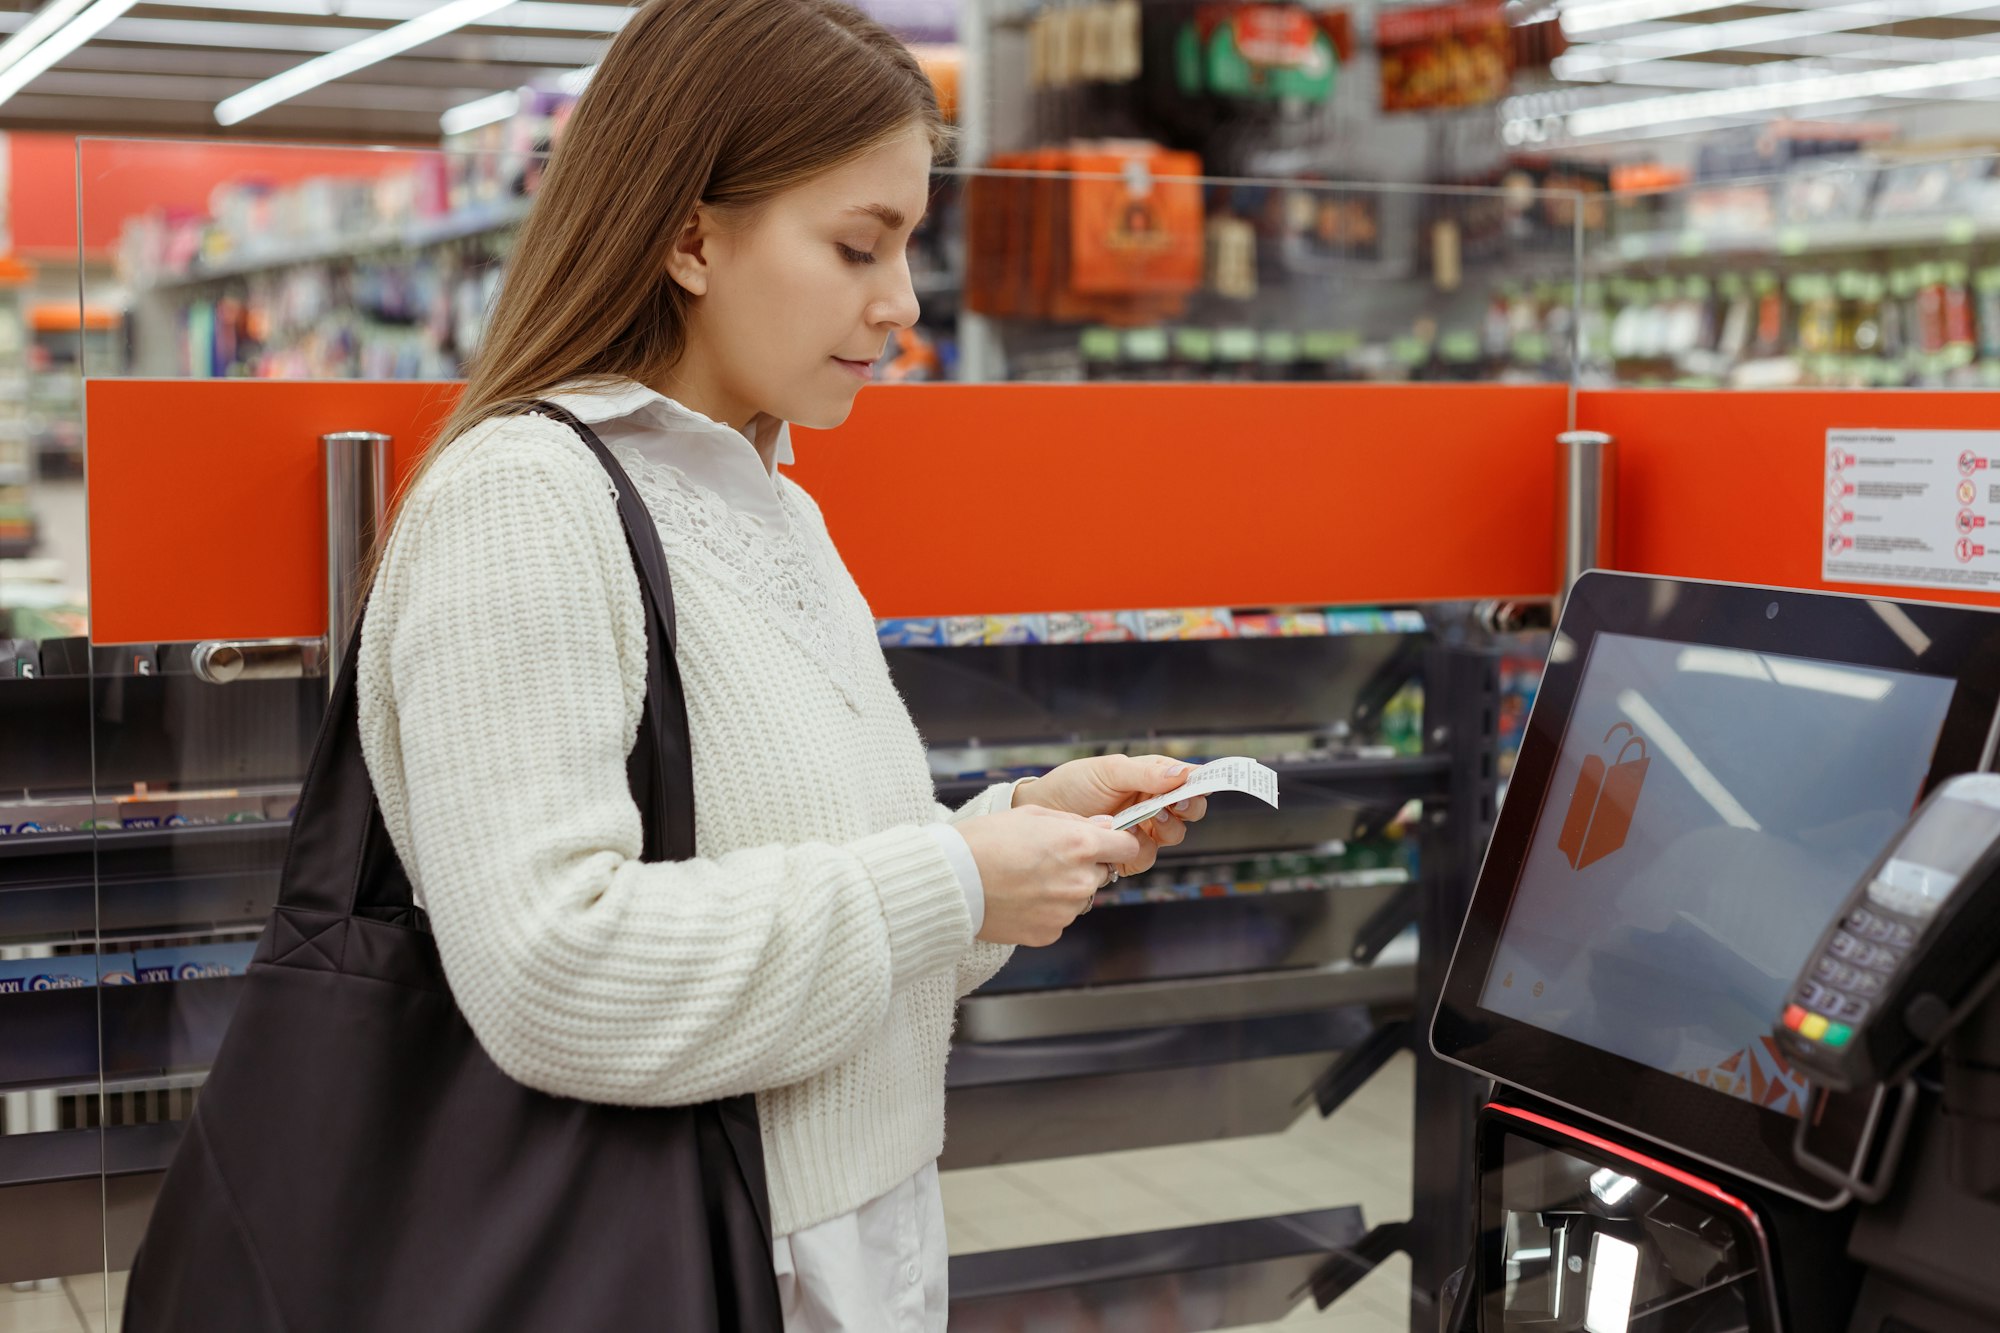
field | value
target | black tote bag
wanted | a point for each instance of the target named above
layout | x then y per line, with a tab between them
357	1164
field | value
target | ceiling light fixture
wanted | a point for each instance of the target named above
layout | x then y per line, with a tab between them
1686	39
482	111
485	110
356	55
1579	19
1644	112
521	14
1825	53
29	62
39	25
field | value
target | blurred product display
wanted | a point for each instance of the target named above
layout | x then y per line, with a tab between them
1850	271
1402	246
17	460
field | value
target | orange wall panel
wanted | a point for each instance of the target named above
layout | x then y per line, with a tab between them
1730	485
1044	497
207	500
206	515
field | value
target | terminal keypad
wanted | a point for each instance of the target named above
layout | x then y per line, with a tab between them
1850	976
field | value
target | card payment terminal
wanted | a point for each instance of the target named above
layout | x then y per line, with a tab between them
1911	950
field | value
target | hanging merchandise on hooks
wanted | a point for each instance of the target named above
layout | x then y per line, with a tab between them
1441	56
1260	52
1084	44
1122	243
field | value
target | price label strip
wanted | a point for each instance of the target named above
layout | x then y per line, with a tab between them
1235	773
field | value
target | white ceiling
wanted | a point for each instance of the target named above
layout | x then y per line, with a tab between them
162	67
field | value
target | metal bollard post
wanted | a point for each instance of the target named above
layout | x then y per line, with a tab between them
1586	500
357	513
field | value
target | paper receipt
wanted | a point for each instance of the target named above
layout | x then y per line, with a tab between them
1235	773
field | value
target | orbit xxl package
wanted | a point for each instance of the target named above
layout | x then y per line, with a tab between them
196	962
73	972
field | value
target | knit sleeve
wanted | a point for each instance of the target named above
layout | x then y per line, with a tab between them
977	965
506	633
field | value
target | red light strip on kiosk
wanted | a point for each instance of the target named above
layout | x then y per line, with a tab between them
1640	1159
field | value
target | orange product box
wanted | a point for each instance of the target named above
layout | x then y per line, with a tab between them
1139	233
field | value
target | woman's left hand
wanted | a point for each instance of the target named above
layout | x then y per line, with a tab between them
1106	784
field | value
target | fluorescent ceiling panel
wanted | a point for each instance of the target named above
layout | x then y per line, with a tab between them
1644	112
523	14
44	21
1686	39
471	115
83	26
356	55
499	106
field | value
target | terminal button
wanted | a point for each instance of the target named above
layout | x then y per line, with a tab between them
1877	957
1875	928
1845	945
1866	983
1813	1027
1849	1009
1838	1034
1794	1016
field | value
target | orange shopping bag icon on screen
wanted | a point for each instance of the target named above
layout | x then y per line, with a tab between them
1600	809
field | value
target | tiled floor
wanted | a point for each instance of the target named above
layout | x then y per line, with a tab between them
1361	1156
73	1305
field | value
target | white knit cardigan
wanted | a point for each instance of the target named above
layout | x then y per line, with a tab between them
815	948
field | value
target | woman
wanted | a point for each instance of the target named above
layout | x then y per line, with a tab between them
719	248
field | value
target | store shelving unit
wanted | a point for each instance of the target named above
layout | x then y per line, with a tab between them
1895	235
419	234
1235	1010
1241	1008
17	463
64	342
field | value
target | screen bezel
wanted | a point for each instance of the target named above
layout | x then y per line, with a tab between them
1963	646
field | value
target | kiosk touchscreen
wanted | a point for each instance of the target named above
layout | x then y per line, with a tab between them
1707	772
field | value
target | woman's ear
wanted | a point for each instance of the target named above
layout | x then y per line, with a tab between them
688	258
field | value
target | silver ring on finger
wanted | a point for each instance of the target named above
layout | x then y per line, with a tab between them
1113	878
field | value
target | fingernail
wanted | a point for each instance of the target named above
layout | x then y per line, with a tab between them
1163	819
1182	807
1101	819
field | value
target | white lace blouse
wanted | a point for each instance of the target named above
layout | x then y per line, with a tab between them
881	1266
729	497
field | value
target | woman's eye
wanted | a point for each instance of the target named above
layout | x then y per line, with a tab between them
854	256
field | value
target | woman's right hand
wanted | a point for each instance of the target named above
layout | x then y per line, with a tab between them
1040	869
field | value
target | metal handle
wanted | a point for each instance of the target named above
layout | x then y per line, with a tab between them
357	512
224	661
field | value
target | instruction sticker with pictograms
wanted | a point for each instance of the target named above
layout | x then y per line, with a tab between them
1912	508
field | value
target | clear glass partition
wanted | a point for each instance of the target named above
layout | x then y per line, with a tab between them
1855	271
1161	1070
308	263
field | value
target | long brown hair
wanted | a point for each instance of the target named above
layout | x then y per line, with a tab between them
720	102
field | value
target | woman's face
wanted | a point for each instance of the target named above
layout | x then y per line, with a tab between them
794	305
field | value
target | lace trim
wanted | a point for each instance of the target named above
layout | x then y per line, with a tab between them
780	572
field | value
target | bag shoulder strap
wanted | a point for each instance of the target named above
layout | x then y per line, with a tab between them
671	753
340	859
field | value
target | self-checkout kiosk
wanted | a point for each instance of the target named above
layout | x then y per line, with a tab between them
1730	965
